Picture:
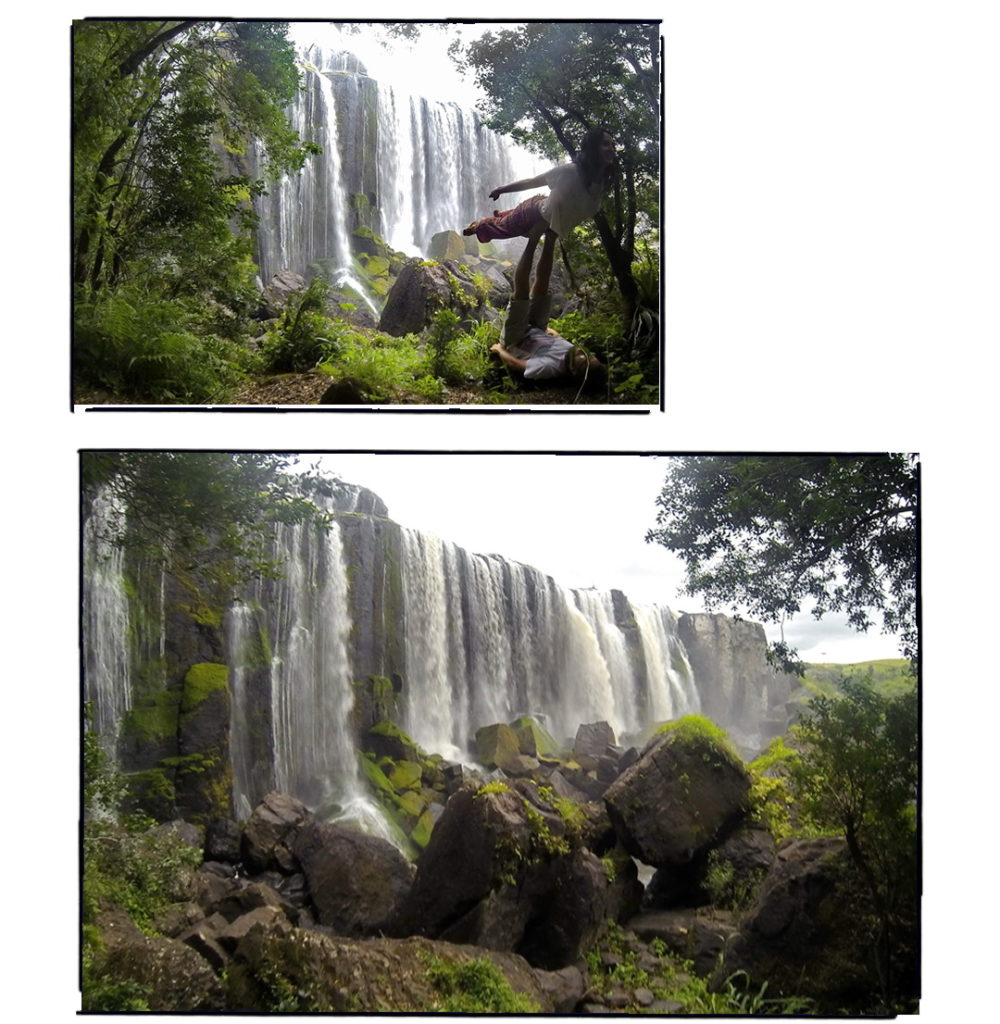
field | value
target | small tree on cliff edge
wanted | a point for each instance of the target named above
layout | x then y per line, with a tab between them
769	533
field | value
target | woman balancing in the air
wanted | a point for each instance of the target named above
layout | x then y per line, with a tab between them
577	190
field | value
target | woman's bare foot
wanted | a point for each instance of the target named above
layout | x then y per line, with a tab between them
471	229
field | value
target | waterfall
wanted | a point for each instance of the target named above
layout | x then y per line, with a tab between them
487	640
314	756
469	639
106	623
418	166
238	626
670	683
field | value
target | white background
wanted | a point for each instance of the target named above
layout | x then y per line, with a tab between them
831	273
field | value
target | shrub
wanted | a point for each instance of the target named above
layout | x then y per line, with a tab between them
476	986
304	336
145	347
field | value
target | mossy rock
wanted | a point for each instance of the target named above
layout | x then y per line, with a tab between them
200	682
421	834
386	739
412	803
497	745
534	739
406	775
376	776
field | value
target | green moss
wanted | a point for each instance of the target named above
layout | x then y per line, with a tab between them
376	776
696	730
543	741
421	833
492	787
406	775
201	681
153	717
387	728
412	804
475	986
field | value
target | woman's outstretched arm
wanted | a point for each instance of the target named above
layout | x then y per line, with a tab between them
518	186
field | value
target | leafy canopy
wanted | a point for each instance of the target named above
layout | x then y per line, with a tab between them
208	512
771	534
163	116
547	83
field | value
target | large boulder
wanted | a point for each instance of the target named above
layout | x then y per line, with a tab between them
593	739
312	972
280	289
576	911
501	872
269	835
478	847
686	792
803	935
356	881
497	746
450	245
172	977
422	288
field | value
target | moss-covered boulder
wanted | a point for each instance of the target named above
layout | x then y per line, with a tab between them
497	746
685	793
313	972
534	739
448	245
505	869
386	739
406	775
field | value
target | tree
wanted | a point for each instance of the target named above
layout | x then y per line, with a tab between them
857	772
210	513
770	533
155	105
547	83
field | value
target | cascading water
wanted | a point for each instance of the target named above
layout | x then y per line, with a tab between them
107	620
314	755
671	686
239	624
422	166
487	640
473	639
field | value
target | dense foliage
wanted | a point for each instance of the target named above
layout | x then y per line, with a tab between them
163	117
769	534
211	512
547	83
857	774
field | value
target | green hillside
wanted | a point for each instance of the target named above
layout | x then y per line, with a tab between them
889	676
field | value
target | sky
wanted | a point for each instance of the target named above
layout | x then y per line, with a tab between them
422	66
582	519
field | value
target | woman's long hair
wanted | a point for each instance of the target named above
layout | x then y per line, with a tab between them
588	159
